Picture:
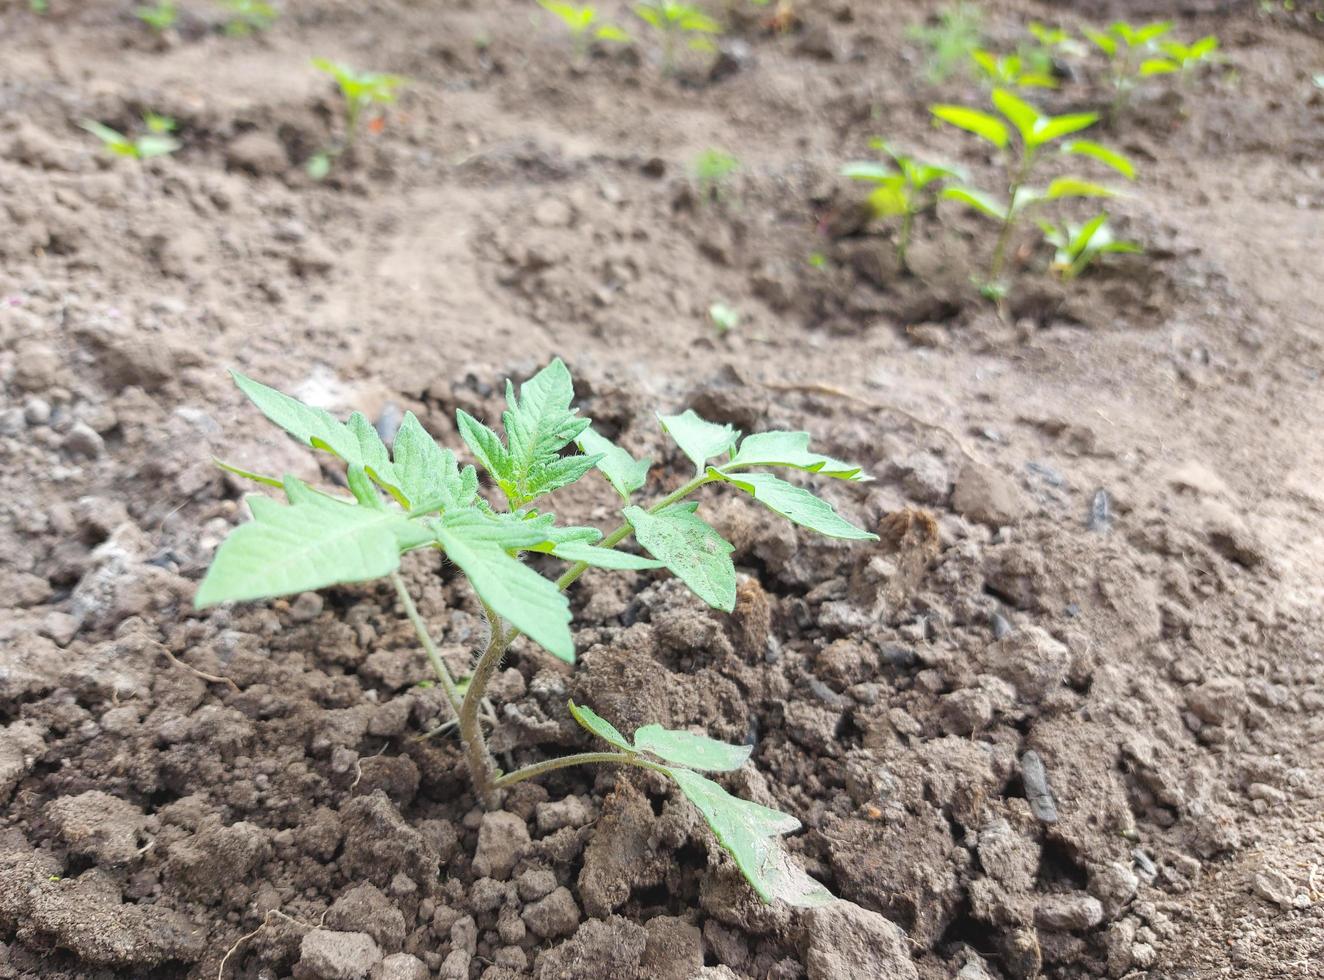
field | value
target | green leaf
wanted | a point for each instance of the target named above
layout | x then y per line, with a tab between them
1101	153
749	834
691	549
427	474
698	438
867	170
315	541
487	448
1022	115
796	504
591	721
622	470
693	751
782	448
887	202
603	557
1075	187
318	166
723	316
155	145
610	32
1104	42
270	481
478	544
982	124
539	423
981	202
1055	127
357	443
1157	66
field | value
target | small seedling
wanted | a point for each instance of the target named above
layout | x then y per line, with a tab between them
249	17
39	6
360	90
584	25
951	41
677	22
416	496
713	170
1132	54
1186	58
906	191
1079	246
724	317
1036	132
156	142
160	17
1014	70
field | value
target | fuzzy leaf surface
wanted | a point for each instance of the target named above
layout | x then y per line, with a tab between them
797	505
622	470
621	561
698	438
429	475
691	549
791	449
692	751
595	724
749	833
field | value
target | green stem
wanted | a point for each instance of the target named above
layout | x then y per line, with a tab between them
482	770
1009	219
903	239
425	638
579	759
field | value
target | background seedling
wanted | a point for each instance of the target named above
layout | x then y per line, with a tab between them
249	17
415	495
1186	58
1132	56
1035	132
1079	246
950	41
360	91
713	170
584	25
906	191
676	22
724	317
160	17
156	142
1015	70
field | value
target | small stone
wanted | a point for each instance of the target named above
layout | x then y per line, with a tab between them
455	966
258	152
1274	886
1037	792
35	365
338	955
1256	791
535	884
925	479
511	958
986	496
37	411
60	627
83	440
557	815
464	934
400	966
1221	701
554	916
552	212
843	941
307	607
1068	913
503	838
365	909
965	712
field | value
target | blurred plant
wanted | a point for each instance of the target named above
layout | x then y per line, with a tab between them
584	25
1014	70
1132	54
249	17
160	17
724	317
1036	131
906	191
951	40
675	22
712	170
1186	58
1079	246
156	142
360	90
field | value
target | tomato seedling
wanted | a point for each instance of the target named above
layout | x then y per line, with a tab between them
906	191
156	142
359	91
1133	55
676	22
1014	70
249	17
159	17
584	24
1035	131
1080	246
416	495
713	170
950	41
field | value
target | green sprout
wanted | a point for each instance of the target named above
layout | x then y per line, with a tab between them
906	191
1036	131
160	17
249	17
724	317
1079	246
713	170
1014	70
1133	55
951	41
416	496
156	142
583	23
360	91
675	22
1186	58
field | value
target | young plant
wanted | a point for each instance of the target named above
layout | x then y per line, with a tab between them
906	191
1035	133
156	142
249	17
950	41
713	170
1014	70
724	317
417	496
1079	246
360	91
1186	58
584	25
676	22
160	17
1132	55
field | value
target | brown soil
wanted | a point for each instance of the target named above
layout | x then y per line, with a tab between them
1036	734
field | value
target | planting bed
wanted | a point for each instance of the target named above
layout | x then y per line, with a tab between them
1066	718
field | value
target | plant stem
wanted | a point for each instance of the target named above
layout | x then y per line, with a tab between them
579	759
903	239
425	638
482	770
1009	219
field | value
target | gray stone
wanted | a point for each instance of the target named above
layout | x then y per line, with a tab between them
554	916
83	440
843	941
1068	913
332	955
986	496
400	966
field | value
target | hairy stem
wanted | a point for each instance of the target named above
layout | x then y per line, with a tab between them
425	638
580	759
482	770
